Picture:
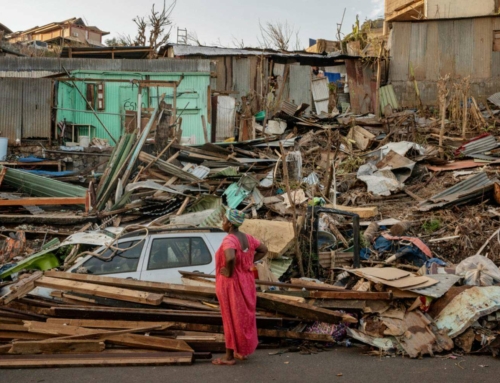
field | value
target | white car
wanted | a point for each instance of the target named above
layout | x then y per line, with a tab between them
156	257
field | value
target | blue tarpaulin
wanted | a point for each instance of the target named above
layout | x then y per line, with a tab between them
30	159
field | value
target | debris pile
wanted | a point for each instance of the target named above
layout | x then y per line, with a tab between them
379	231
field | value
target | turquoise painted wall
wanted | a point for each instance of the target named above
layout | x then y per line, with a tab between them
192	101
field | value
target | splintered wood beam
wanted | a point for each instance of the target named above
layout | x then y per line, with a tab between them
21	288
35	201
101	291
158	287
57	347
303	311
350	295
130	340
106	324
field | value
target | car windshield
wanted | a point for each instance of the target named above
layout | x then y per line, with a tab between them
114	261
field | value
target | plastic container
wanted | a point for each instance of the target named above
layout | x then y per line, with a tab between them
260	116
3	148
84	141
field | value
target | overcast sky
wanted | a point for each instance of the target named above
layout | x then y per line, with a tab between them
216	22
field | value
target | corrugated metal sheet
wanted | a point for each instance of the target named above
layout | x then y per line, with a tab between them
479	146
226	115
300	84
241	76
320	94
39	186
435	48
11	109
55	65
25	108
463	37
446	48
388	97
477	181
431	61
465	191
37	102
483	41
418	42
25	74
400	52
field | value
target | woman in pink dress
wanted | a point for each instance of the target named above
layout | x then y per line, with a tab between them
235	288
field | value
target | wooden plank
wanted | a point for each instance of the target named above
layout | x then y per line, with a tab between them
202	318
117	324
9	335
130	340
131	284
349	295
57	347
188	304
12	327
301	310
99	359
362	211
106	324
44	201
304	285
101	291
21	288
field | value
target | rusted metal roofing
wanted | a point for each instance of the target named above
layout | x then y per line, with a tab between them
25	108
468	307
57	65
37	102
426	50
463	192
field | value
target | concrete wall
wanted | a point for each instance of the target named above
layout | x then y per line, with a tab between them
448	9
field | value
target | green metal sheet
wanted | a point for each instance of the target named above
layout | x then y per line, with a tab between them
39	186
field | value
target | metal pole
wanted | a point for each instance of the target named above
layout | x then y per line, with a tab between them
139	109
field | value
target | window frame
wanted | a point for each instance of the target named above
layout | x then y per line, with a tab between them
190	264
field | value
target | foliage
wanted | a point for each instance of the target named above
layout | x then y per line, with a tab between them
431	225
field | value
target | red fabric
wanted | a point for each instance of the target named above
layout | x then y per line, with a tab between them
416	241
237	296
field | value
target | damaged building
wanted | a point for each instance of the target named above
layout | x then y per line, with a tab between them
380	214
432	38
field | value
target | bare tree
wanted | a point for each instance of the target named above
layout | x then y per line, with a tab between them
159	22
277	35
237	43
192	38
140	39
153	30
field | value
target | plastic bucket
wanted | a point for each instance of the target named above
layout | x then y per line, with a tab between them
84	141
3	148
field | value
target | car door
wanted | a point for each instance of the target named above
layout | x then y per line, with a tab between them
123	261
167	254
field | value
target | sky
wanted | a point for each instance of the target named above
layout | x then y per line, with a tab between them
215	22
